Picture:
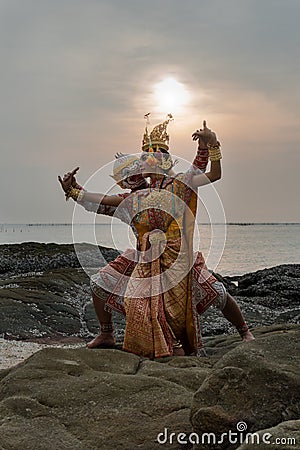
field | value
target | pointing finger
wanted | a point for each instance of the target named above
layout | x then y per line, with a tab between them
74	171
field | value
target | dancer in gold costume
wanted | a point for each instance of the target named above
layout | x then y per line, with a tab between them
161	311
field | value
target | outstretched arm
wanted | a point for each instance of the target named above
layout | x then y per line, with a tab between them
77	193
87	205
109	200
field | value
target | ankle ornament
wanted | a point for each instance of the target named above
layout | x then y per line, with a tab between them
177	345
243	329
106	327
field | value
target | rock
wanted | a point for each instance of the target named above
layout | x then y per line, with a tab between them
48	304
190	373
280	283
32	257
90	399
45	292
266	297
30	428
54	303
108	399
257	383
217	346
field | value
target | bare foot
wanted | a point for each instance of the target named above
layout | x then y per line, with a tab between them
178	352
248	336
103	340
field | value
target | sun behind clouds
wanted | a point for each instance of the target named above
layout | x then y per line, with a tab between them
170	96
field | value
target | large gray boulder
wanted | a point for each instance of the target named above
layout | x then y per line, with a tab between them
257	383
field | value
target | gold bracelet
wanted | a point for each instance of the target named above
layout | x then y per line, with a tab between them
216	146
214	152
215	156
75	194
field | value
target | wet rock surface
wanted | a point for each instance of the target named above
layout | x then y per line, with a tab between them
44	292
32	257
266	297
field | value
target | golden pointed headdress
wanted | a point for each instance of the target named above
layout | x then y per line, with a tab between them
158	138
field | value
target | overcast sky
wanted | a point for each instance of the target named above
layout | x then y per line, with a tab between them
77	77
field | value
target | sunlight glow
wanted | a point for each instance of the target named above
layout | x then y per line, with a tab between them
170	96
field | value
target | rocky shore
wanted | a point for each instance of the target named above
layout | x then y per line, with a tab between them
45	294
65	396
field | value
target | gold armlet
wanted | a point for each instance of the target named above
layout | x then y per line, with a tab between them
75	194
214	152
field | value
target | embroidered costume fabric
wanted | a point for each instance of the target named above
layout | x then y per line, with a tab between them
158	300
181	309
175	312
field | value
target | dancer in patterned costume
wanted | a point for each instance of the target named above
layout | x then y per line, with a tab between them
185	324
160	313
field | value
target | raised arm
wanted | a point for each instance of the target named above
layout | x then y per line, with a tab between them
201	158
208	137
214	174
